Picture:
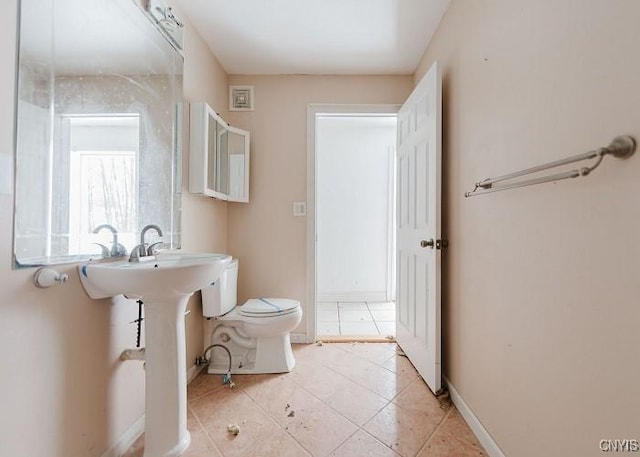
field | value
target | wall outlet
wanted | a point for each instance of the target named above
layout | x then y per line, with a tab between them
299	209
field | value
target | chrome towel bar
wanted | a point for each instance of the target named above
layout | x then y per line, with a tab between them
621	147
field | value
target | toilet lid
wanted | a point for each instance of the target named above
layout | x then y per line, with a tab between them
264	307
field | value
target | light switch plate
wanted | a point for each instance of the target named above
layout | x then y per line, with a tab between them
299	209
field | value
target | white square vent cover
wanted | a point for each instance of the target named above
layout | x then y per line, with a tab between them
240	98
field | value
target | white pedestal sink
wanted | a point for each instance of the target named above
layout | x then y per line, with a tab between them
164	282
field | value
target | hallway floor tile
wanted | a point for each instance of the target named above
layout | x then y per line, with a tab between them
357	319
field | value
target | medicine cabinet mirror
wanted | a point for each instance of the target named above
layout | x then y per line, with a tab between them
97	129
219	156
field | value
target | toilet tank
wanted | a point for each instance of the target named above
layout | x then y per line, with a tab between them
222	296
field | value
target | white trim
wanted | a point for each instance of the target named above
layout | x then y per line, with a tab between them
310	310
299	338
484	437
391	227
193	372
313	109
370	296
126	440
129	437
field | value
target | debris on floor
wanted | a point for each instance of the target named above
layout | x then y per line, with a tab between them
319	343
400	352
234	429
444	399
291	413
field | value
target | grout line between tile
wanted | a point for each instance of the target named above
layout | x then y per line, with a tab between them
372	317
366	387
204	429
358	428
203	394
391	354
277	424
440	425
348	379
405	388
380	441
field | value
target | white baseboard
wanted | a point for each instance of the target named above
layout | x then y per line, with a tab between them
193	372
131	435
352	297
126	440
486	440
299	338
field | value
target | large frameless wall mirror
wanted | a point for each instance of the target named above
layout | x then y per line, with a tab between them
98	123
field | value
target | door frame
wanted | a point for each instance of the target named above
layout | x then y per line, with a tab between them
313	110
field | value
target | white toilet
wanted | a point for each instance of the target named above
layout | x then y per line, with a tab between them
257	334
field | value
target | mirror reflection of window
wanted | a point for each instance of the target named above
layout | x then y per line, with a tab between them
90	67
103	153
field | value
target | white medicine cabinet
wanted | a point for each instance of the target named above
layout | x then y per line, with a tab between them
219	156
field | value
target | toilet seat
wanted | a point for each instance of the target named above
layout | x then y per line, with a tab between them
268	307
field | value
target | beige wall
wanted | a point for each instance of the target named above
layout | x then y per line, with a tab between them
204	220
63	391
264	235
542	284
541	292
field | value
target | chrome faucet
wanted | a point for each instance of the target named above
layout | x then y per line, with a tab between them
141	250
147	228
116	248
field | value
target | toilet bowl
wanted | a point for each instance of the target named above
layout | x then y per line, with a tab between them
256	334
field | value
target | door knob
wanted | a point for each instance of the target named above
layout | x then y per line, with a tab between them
427	243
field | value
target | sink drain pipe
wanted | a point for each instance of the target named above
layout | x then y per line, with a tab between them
226	379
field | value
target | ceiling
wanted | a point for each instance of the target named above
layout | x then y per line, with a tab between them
316	36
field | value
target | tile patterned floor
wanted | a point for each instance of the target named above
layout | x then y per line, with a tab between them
341	400
360	319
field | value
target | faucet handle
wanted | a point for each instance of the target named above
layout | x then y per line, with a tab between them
137	252
153	249
105	250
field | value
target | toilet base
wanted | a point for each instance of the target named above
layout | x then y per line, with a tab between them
270	355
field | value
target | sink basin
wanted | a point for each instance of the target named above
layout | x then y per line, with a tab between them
168	273
164	282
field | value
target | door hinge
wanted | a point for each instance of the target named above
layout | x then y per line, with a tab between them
441	244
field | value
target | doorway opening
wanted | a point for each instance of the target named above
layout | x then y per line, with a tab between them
355	225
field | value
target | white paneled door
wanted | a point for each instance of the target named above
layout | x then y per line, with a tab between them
418	222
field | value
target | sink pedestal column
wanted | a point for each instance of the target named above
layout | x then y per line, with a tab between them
166	432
